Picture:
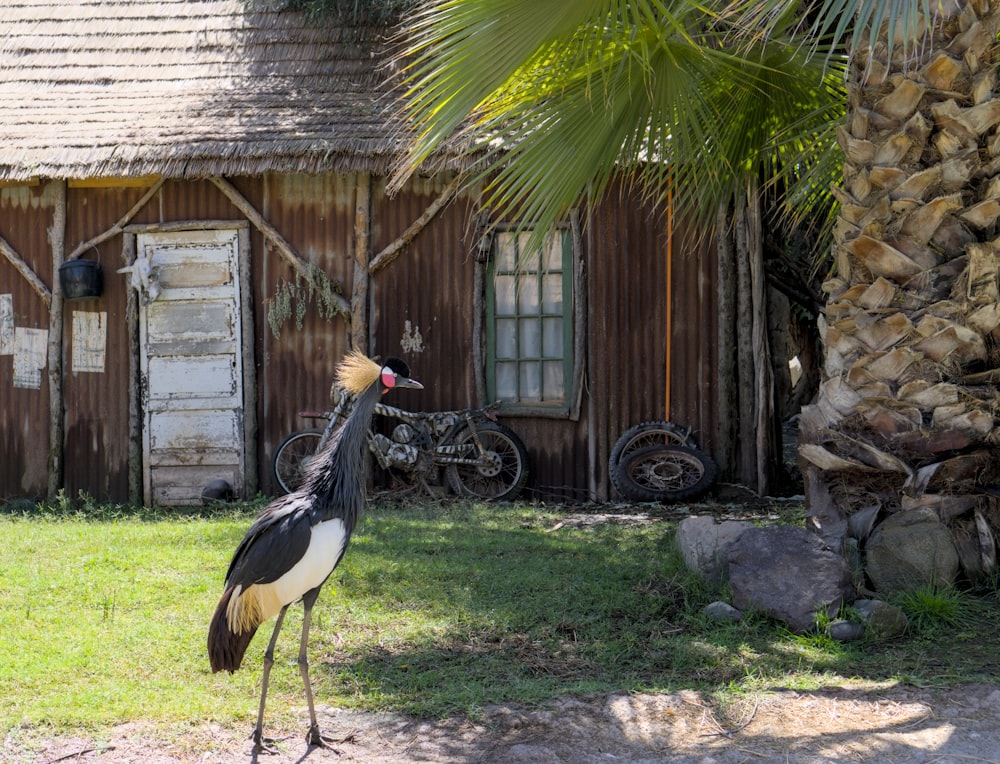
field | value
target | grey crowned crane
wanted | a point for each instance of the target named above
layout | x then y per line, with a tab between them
297	541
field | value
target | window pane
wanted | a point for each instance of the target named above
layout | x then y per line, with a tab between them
554	386
528	260
506	252
507	381
552	337
552	293
553	253
530	382
529	343
527	295
531	302
504	287
506	338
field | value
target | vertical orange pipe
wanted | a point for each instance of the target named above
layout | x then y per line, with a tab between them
670	260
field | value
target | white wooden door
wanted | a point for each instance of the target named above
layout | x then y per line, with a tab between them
191	365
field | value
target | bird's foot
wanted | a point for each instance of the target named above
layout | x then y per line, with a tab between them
264	745
317	739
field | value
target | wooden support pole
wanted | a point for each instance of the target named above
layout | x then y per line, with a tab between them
134	405
57	238
362	256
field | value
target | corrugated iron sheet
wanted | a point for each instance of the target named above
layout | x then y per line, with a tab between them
25	216
422	311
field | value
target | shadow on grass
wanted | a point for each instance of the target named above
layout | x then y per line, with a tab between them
463	609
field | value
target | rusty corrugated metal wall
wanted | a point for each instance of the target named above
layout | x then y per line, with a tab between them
423	299
25	217
426	291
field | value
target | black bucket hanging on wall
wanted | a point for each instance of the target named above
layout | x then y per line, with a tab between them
80	279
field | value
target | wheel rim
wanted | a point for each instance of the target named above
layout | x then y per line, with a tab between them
652	438
294	461
492	464
666	471
499	474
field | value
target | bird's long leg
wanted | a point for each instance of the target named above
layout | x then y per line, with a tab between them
315	737
258	731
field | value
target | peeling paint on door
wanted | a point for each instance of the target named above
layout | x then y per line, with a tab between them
191	366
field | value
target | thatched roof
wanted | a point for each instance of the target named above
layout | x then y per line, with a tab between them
186	88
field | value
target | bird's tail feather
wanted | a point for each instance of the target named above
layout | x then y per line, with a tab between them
225	646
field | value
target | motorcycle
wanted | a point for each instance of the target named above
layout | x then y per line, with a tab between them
477	455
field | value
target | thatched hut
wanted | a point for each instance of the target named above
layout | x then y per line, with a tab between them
243	150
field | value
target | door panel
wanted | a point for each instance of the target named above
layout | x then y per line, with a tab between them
191	366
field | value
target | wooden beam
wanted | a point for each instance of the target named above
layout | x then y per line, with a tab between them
284	249
393	250
118	227
57	428
362	262
140	181
25	270
134	405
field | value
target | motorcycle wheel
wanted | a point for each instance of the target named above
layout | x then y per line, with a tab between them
292	457
503	473
664	473
651	433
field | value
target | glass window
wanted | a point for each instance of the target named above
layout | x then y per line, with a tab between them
529	321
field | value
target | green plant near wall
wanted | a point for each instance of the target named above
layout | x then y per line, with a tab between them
291	299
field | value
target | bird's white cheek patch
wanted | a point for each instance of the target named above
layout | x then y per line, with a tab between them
325	546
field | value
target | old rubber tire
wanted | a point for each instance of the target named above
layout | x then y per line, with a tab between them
650	434
291	458
504	477
664	473
657	432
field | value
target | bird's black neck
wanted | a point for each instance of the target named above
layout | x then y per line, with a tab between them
336	477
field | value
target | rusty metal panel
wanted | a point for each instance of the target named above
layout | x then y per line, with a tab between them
627	260
25	217
424	299
315	214
421	310
96	438
626	266
694	387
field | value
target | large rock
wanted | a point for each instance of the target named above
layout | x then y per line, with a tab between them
911	549
704	544
788	573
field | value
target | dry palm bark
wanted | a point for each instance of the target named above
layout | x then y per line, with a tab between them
907	414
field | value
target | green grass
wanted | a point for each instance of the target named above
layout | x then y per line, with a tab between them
436	609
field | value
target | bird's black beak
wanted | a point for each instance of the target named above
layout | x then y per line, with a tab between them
407	382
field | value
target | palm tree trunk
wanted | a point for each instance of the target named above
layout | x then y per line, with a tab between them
907	411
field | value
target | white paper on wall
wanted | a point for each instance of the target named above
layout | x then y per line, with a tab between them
30	352
6	324
89	340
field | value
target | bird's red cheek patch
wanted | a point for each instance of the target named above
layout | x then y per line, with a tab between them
388	380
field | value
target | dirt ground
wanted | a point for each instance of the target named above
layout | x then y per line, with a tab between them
900	725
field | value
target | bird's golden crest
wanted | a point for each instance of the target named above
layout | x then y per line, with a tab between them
357	372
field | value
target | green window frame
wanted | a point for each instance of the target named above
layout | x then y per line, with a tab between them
529	323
